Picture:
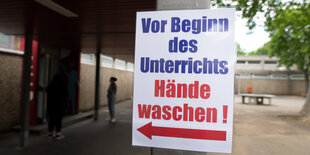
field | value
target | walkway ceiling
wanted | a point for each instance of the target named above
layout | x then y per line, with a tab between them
112	21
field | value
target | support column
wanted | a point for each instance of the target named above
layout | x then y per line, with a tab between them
179	5
182	4
97	81
289	83
24	130
239	84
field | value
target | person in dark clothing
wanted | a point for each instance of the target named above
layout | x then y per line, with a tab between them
111	98
57	94
73	81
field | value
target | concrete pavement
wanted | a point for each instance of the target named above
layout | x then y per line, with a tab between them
257	130
87	137
262	130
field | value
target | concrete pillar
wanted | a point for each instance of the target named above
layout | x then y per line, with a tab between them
239	84
289	83
97	80
179	5
182	4
24	130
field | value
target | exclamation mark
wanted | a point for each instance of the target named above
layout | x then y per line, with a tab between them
225	108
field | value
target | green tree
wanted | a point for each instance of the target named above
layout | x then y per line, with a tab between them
288	24
290	41
251	8
265	50
240	51
290	38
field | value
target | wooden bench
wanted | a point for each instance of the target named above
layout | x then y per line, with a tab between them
258	98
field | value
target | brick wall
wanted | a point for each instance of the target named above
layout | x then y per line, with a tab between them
10	90
87	85
271	86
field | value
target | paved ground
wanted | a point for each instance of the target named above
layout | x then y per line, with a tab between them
257	130
85	138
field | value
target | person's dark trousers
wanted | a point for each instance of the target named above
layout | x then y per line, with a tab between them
55	121
111	104
51	121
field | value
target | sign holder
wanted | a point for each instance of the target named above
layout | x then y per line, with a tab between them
199	5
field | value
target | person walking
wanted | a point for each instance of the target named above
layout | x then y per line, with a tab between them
111	98
57	94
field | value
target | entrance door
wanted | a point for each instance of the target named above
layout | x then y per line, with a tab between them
43	82
53	61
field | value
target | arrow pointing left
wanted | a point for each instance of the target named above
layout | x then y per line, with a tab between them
149	130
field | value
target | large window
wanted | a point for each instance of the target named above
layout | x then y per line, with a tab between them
240	61
243	76
271	62
260	76
87	58
279	76
120	64
297	77
253	62
106	61
130	66
4	41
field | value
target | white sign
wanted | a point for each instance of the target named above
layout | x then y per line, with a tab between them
184	80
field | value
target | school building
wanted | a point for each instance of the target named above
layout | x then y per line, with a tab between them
265	76
261	73
44	66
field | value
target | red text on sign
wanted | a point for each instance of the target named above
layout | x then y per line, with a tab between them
178	113
181	90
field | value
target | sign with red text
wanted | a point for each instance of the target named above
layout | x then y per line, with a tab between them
184	80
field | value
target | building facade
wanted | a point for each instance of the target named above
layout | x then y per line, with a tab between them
265	76
46	63
261	73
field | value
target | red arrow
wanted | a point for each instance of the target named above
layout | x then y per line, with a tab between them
148	130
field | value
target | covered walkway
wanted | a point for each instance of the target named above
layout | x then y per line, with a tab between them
54	33
87	137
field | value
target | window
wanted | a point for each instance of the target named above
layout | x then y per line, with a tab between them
271	62
130	66
297	77
253	62
241	62
4	41
260	76
106	61
243	76
88	58
120	64
279	76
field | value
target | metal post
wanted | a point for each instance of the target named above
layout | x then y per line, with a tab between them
239	84
289	83
182	5
97	82
24	130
